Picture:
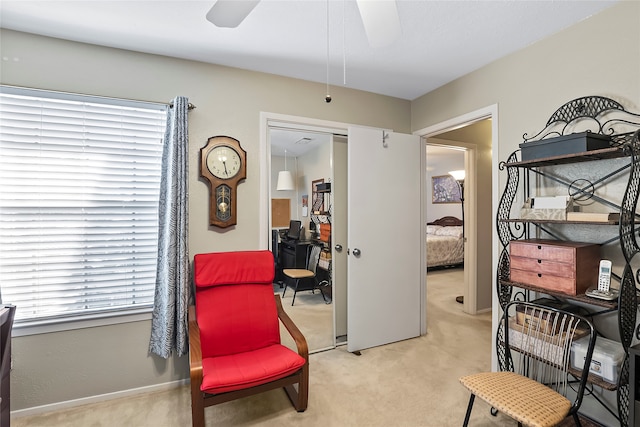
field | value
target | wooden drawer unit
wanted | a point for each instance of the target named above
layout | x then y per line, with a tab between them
566	267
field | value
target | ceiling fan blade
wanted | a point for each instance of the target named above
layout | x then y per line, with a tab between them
381	21
230	13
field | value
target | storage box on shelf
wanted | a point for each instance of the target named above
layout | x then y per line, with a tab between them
606	361
565	144
325	233
565	267
546	324
529	210
325	259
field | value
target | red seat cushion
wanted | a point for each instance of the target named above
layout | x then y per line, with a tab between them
243	370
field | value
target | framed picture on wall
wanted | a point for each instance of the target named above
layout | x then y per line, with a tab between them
317	198
444	189
305	204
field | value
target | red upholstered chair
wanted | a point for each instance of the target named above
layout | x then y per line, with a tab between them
234	334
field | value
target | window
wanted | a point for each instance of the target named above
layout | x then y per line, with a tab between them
79	188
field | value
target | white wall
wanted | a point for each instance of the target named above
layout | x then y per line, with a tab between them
314	165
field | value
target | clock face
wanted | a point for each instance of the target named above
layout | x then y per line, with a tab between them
224	162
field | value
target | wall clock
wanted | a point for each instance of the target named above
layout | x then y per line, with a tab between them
223	163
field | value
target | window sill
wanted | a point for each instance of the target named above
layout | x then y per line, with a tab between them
68	324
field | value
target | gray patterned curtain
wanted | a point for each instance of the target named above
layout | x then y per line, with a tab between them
169	325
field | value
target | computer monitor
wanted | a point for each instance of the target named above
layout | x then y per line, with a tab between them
294	229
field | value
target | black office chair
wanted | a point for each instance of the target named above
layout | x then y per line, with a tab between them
304	279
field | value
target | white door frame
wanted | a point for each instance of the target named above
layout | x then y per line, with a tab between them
470	254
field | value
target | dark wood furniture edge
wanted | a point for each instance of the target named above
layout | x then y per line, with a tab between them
447	221
587	156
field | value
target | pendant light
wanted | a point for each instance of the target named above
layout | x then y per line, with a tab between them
285	180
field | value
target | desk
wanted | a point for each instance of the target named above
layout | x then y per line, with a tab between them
294	253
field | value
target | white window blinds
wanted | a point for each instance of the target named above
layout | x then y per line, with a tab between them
79	188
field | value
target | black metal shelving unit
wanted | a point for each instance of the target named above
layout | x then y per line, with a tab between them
603	116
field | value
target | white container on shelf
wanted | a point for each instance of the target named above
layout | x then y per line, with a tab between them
606	361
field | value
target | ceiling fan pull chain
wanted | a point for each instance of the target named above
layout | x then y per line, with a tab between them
344	43
327	98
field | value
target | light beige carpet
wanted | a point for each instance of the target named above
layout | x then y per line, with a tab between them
312	315
409	383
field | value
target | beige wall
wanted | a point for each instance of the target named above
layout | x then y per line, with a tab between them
69	365
598	56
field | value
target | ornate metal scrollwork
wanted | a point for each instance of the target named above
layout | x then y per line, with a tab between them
591	108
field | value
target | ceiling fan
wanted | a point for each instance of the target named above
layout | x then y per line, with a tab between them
380	17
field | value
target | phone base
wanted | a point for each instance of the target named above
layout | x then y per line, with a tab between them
609	295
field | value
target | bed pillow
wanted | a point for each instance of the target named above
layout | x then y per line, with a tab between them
433	229
453	231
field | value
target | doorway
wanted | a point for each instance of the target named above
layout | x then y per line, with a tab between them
475	132
306	157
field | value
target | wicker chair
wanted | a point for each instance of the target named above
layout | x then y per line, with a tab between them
537	350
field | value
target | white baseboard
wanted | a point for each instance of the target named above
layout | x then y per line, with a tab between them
37	410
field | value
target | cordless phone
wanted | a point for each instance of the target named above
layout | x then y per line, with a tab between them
604	275
603	291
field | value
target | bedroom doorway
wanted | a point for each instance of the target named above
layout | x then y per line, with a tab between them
474	134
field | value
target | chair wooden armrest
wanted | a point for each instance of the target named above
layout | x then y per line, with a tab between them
195	352
301	342
195	371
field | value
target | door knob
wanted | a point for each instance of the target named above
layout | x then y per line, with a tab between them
338	248
356	252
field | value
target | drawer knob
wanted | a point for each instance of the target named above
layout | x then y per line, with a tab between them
539	274
539	261
539	247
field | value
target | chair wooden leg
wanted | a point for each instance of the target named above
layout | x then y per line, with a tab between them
300	397
197	407
469	407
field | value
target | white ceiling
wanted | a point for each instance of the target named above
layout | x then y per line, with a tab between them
441	40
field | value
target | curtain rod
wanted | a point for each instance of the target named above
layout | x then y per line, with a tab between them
190	106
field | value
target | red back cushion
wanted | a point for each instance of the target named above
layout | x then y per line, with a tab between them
235	305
